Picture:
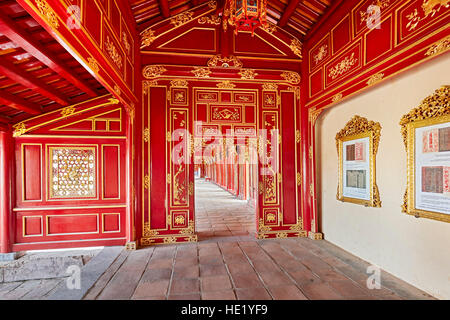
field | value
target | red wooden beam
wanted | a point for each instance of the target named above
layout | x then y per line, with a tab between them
21	38
15	73
18	103
288	12
164	7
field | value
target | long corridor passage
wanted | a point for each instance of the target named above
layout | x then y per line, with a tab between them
220	215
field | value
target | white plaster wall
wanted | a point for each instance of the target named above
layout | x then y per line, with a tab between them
415	250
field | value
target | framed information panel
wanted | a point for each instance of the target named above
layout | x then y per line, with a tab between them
357	146
426	133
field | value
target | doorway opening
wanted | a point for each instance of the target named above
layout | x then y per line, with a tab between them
226	194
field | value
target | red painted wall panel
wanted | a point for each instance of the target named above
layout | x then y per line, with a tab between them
32	179
68	224
111	172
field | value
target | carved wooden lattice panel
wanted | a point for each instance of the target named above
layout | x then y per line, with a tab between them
72	172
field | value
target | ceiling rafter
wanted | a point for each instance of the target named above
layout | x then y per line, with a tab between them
16	34
164	7
18	103
288	12
12	71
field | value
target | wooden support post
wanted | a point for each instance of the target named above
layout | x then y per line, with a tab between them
5	191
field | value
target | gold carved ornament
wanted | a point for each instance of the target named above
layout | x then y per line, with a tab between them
296	47
201	72
291	77
382	4
47	12
375	78
226	84
322	54
19	129
247	74
179	83
360	127
146	134
113	52
337	97
153	71
439	47
181	18
225	62
67	111
432	108
147	37
93	64
269	27
213	19
270	87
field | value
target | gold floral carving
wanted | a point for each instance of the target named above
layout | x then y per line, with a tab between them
48	13
201	72
126	44
439	47
181	18
359	127
323	52
313	114
299	178
213	19
153	71
189	229
19	129
212	4
247	74
298	136
262	227
281	235
169	240
270	87
67	111
147	84
93	64
342	67
430	8
147	37
375	78
291	77
113	52
226	84
225	62
148	232
296	47
117	90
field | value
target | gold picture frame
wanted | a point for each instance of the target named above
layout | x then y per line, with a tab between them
365	135
433	113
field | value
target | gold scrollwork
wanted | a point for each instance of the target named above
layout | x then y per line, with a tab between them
337	97
225	62
146	134
93	64
343	66
67	111
19	129
270	87
146	181
113	52
213	19
429	9
357	128
153	71
179	83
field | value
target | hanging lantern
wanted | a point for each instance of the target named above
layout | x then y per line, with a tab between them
247	15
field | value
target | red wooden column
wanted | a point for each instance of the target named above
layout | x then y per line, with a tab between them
5	191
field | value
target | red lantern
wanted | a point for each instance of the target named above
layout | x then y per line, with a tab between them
247	15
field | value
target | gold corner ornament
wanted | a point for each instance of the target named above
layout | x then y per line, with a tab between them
359	125
439	47
291	77
337	97
19	129
47	13
147	37
113	101
153	71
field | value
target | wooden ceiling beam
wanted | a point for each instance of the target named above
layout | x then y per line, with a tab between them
21	38
13	72
288	12
18	103
164	6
